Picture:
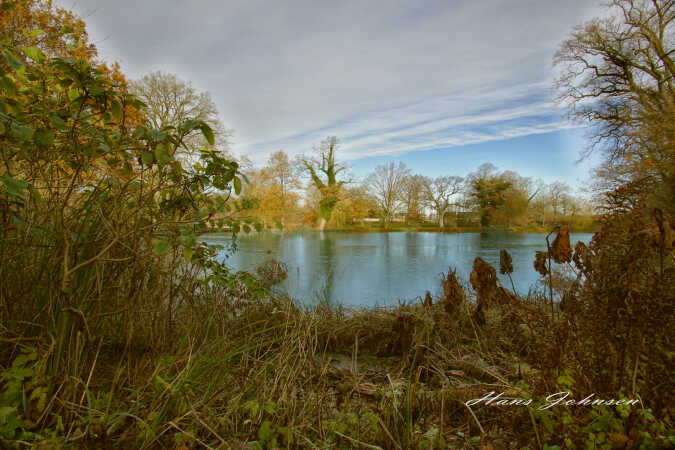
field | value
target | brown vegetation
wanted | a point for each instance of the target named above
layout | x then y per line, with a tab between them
121	330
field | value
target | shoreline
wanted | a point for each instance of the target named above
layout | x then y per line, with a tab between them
365	230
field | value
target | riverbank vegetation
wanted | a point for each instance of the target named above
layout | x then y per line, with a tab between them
120	329
393	198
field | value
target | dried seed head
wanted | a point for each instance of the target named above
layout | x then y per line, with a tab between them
483	275
581	256
505	262
484	281
561	251
540	262
428	302
453	294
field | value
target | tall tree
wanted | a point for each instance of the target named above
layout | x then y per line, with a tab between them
171	101
517	198
277	183
323	170
556	193
55	31
280	168
387	184
438	192
618	75
413	198
487	189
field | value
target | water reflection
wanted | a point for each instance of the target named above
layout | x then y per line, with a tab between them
381	268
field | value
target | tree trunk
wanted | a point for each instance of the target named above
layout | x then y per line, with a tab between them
322	223
440	219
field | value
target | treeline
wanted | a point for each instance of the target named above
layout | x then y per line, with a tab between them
297	193
316	190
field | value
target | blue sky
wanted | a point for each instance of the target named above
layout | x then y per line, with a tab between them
550	156
442	85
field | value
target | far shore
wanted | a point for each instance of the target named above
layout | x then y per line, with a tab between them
399	228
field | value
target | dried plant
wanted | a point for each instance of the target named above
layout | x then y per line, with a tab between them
505	263
453	293
561	251
272	272
540	264
484	280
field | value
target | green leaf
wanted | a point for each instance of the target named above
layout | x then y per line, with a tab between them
247	229
7	85
161	248
9	421
95	90
23	132
147	158
116	109
138	104
15	188
43	138
33	53
162	153
207	132
270	407
73	94
36	33
58	122
187	253
139	132
190	125
265	432
2	128
14	61
158	135
237	185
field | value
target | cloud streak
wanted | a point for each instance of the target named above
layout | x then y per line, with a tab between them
387	77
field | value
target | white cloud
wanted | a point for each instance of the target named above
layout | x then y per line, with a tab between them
386	77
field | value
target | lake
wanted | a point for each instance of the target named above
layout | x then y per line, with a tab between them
377	269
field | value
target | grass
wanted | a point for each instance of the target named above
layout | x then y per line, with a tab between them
270	375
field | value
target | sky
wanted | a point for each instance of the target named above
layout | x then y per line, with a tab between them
443	86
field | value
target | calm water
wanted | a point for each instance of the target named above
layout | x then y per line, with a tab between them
381	268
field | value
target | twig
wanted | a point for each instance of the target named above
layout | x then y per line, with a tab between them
196	416
91	371
379	420
482	431
356	441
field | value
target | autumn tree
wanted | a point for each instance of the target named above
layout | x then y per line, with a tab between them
324	171
273	190
618	76
55	31
356	203
438	193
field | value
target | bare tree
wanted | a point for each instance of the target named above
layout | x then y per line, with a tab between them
556	193
438	192
171	101
283	171
387	184
324	171
618	75
413	197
